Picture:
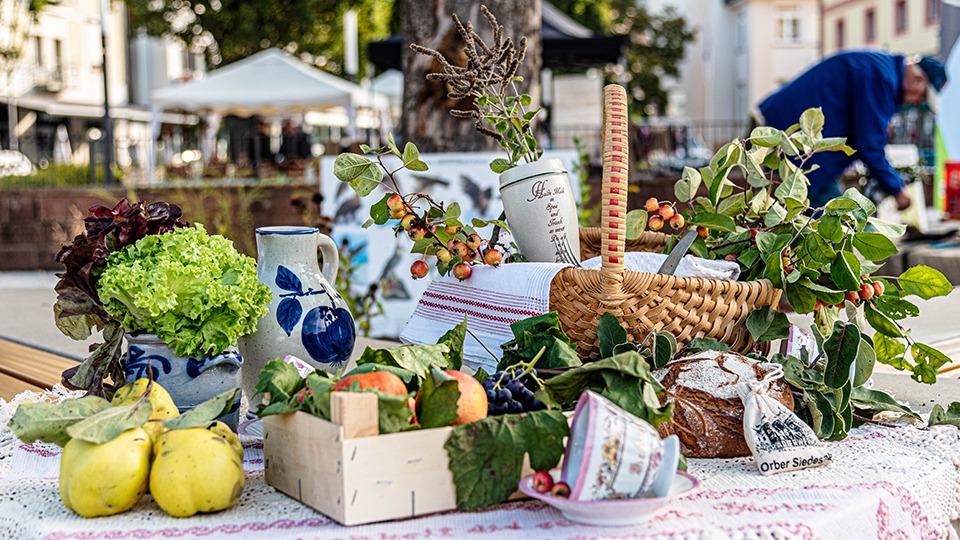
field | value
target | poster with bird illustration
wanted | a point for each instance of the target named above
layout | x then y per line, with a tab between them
464	178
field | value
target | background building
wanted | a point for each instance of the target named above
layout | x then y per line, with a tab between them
907	26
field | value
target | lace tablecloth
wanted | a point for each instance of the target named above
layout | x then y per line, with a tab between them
898	483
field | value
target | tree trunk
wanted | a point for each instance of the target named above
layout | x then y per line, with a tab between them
426	119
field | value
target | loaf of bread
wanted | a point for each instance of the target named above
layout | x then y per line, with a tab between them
708	413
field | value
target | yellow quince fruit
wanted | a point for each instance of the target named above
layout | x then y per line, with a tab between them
108	478
159	398
195	470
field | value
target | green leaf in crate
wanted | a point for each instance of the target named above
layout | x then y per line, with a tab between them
437	403
874	246
280	380
636	223
48	422
610	334
766	324
408	377
454	339
841	349
109	423
205	412
924	282
845	271
416	358
489	454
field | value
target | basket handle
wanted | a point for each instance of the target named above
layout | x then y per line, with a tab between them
616	164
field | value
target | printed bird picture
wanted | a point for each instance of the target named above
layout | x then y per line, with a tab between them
480	197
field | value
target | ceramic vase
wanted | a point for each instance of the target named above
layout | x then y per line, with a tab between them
542	213
307	317
189	380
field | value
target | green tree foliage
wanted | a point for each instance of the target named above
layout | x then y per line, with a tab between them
654	46
228	30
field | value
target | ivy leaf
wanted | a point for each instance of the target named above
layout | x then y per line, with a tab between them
875	400
845	271
486	456
881	322
841	349
686	188
437	402
951	416
818	248
924	282
896	308
811	122
766	324
204	413
890	230
109	423
717	222
764	136
927	361
48	422
636	223
866	360
610	334
380	212
830	228
873	246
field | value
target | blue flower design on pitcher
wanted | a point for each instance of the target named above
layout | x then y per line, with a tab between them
328	333
138	363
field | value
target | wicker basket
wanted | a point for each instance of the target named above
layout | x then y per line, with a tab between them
649	241
686	307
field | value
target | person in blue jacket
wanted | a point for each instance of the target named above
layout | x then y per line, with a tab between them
859	92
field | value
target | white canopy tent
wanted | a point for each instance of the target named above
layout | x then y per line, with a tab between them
269	82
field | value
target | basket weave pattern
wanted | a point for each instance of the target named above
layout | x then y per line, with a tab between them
686	307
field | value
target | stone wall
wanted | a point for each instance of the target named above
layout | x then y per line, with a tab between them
34	223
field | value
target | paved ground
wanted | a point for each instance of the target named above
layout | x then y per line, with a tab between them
26	316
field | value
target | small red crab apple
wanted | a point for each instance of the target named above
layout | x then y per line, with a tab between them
462	271
452	229
667	211
878	288
444	255
396	206
419	269
652	204
702	231
560	489
853	297
677	222
473	241
417	233
655	223
866	291
493	257
542	481
407	221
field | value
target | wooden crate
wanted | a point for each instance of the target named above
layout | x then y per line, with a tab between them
348	472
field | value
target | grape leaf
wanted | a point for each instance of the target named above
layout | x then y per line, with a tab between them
48	422
416	358
486	457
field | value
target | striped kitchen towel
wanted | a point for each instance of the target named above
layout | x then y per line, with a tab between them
491	300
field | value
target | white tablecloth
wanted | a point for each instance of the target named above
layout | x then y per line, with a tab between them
898	483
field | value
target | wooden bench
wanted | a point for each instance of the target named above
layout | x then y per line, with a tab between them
23	367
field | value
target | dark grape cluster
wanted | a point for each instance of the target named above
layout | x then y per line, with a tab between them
511	392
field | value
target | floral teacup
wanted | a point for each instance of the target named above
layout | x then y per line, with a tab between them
612	454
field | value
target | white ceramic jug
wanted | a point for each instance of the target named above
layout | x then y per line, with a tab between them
542	213
308	318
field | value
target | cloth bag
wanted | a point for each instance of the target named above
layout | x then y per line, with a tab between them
777	438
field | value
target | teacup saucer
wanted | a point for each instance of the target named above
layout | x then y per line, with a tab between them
611	513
